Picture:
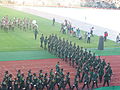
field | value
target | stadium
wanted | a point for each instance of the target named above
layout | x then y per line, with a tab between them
59	44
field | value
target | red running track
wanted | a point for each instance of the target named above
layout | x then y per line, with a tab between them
47	64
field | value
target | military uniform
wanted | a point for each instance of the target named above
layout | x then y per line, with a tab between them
57	68
27	83
10	82
101	73
16	84
45	81
22	82
41	40
75	83
94	79
106	78
4	85
86	81
67	81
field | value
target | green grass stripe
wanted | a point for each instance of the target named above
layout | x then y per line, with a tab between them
21	41
106	51
109	88
25	55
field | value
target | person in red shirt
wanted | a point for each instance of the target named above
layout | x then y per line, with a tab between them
105	36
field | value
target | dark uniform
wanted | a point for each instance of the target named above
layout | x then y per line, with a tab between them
62	83
68	80
10	82
27	83
16	84
75	83
57	67
45	81
35	33
19	76
45	43
30	76
4	84
40	83
41	40
22	82
94	79
86	81
106	78
101	73
53	21
34	82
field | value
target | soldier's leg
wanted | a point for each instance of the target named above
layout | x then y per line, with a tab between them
100	78
83	86
96	84
69	85
90	80
41	44
104	83
66	58
88	85
73	87
76	87
108	82
82	76
93	84
79	77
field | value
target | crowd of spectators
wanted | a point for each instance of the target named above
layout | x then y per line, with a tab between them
68	28
101	4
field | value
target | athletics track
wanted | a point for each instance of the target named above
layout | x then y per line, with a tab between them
47	64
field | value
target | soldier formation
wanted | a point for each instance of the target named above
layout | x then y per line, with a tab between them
90	69
10	24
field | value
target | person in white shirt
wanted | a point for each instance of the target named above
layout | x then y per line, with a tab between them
88	38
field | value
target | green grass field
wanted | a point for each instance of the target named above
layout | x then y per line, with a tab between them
19	40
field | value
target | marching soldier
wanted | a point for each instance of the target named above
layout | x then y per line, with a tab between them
75	83
101	73
57	67
30	76
68	80
45	42
22	82
4	84
62	83
40	74
106	79
10	82
36	33
45	81
41	40
34	82
27	83
94	79
86	81
16	84
40	84
19	76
